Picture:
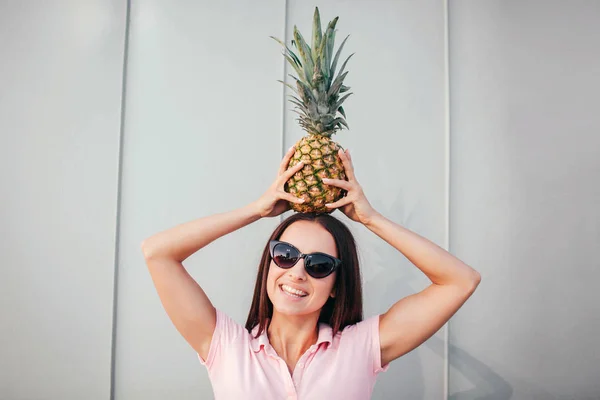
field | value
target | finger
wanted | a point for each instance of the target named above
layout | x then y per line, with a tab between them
347	162
338	183
286	160
290	172
340	203
291	197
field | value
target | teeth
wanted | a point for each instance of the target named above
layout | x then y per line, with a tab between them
293	291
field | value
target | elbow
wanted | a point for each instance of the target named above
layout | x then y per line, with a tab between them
146	249
152	249
475	280
470	282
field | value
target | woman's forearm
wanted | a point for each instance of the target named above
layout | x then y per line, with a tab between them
181	241
437	264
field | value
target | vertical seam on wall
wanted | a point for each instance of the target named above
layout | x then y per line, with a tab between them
447	175
283	91
119	190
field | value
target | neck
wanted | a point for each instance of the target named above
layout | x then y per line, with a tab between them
292	335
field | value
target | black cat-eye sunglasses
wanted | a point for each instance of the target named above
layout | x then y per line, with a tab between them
317	265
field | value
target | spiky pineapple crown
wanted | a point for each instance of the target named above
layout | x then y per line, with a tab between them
319	92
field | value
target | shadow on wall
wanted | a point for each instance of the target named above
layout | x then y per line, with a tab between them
488	384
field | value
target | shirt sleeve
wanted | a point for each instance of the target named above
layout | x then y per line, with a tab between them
374	325
225	334
361	342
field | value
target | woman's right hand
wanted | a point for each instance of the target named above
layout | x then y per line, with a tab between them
275	200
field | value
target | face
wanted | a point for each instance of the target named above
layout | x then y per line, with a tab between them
308	237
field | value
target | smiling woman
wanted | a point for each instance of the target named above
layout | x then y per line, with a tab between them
328	274
305	321
305	337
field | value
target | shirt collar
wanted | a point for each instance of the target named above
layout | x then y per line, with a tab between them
325	336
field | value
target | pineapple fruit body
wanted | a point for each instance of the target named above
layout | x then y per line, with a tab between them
321	160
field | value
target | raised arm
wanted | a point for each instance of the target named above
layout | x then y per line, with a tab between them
415	318
186	304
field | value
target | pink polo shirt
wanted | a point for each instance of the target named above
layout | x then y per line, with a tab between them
340	367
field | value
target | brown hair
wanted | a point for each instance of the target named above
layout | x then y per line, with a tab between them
345	308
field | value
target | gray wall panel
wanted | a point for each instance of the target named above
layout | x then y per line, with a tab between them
525	84
60	109
203	135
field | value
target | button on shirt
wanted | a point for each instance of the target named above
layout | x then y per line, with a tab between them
341	367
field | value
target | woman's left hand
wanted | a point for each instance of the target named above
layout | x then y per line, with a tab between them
355	204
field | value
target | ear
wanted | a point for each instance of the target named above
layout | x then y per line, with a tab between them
332	294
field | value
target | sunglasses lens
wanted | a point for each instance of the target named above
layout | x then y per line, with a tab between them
319	266
284	256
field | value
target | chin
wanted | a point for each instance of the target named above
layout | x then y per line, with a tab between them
288	309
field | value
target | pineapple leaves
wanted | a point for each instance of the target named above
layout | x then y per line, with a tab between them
300	106
340	121
303	117
299	103
329	46
316	34
289	52
340	101
305	53
325	49
330	42
308	99
296	67
318	93
288	85
344	64
301	113
337	56
304	90
337	84
322	66
291	57
326	119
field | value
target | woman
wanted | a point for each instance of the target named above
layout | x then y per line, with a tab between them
305	337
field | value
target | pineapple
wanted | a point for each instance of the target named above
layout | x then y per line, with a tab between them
317	102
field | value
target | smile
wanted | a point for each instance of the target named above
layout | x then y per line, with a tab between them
292	292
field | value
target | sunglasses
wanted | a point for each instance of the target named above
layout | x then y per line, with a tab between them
317	265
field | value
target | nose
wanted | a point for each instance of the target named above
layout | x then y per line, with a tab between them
297	272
